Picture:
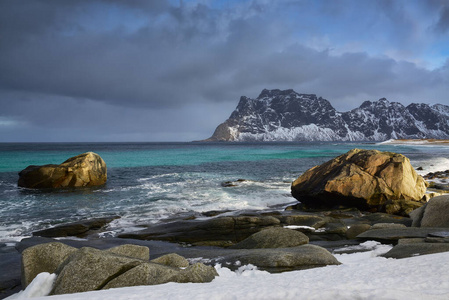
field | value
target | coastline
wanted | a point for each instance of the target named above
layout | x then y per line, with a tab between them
207	234
420	142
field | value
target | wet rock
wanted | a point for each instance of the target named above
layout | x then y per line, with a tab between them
233	183
218	230
275	237
336	228
365	179
79	229
387	226
356	229
394	234
87	169
437	175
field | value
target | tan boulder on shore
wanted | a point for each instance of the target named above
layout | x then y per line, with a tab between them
87	169
366	179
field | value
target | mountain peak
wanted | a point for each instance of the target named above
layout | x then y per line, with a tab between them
285	115
274	93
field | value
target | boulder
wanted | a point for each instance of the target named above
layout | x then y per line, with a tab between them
284	259
275	237
404	250
356	229
87	169
434	214
366	179
43	258
80	228
90	269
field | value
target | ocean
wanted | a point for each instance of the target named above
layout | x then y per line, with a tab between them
151	182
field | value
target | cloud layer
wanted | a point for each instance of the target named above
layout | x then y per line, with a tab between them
166	70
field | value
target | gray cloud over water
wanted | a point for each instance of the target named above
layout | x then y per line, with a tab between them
157	70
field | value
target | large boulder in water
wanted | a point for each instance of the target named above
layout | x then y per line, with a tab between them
366	179
87	169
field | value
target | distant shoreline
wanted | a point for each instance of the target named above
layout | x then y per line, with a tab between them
417	141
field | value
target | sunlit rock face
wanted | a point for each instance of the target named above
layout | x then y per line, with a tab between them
366	179
87	169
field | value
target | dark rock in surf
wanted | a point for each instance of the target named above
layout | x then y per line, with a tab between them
78	229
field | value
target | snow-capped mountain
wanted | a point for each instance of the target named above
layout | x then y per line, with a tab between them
278	115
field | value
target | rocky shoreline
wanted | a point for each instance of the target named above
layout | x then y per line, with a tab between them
214	240
295	237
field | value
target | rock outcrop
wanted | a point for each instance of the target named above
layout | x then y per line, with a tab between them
43	258
89	269
87	169
366	179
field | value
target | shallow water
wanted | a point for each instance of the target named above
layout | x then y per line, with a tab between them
148	182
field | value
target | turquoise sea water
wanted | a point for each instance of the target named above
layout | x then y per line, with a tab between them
149	182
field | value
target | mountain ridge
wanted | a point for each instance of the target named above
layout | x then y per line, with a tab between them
285	115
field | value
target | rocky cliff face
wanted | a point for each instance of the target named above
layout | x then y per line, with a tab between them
278	115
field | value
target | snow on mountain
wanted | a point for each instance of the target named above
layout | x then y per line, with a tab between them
285	115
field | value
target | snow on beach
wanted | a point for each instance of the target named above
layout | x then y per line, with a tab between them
362	275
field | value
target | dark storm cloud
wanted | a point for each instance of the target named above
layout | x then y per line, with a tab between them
442	25
153	64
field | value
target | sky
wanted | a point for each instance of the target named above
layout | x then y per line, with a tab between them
170	70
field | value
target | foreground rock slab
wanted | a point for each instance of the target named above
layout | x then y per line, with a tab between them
395	234
89	269
275	237
366	179
414	249
283	259
87	169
